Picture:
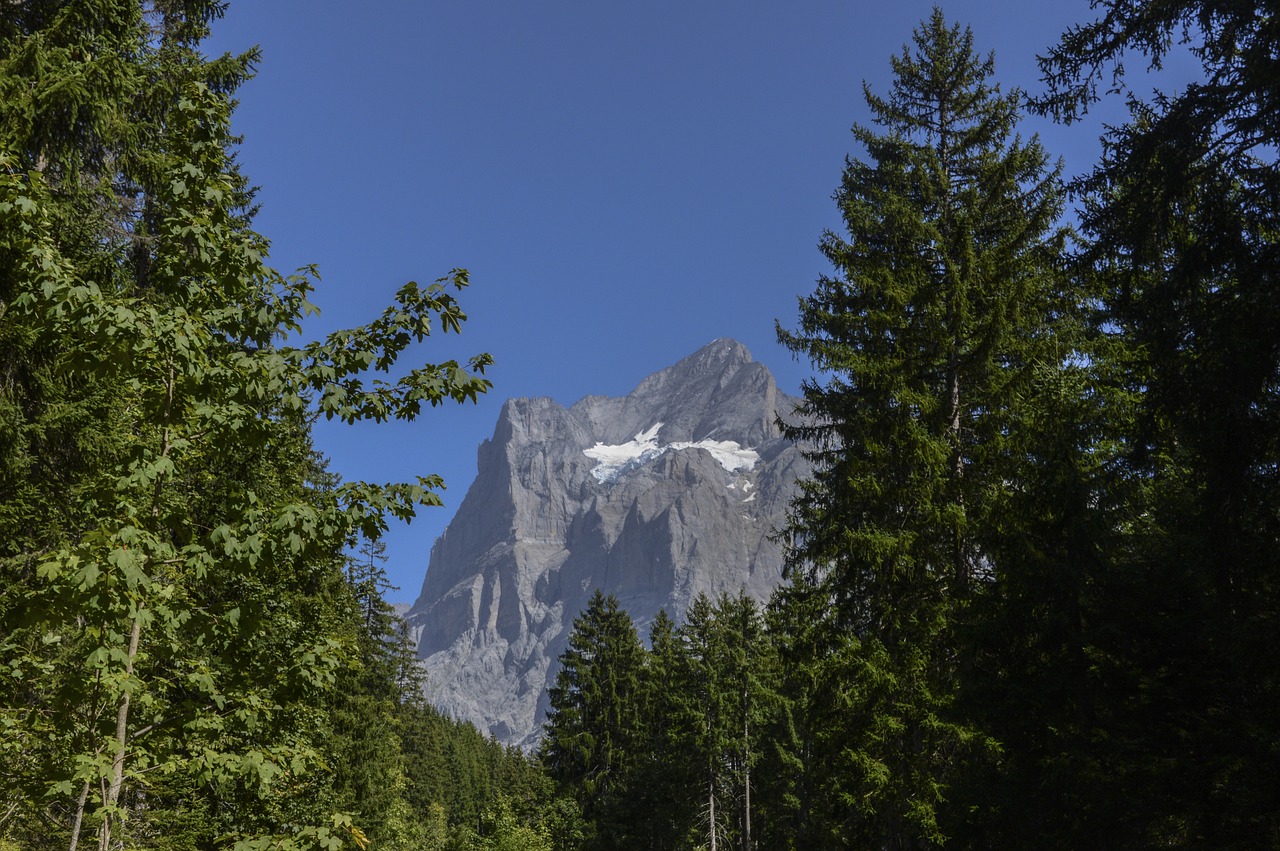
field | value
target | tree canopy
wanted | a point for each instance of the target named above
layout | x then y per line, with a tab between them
173	547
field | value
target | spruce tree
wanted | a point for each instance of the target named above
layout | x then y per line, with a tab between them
664	802
712	733
1182	217
593	725
936	321
747	679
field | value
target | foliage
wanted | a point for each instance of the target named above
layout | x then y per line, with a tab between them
1032	595
935	326
593	721
174	606
1181	217
685	777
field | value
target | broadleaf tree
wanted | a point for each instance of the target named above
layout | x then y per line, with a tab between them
168	624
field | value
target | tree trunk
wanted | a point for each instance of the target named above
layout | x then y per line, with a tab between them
711	803
122	739
961	566
75	826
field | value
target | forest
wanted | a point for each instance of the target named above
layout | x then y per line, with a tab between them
1032	594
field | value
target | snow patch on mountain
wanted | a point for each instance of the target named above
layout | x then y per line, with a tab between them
613	460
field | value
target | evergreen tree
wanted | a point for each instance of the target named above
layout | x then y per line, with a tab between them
1039	649
1182	217
364	708
727	668
704	652
941	312
801	772
747	679
593	725
664	801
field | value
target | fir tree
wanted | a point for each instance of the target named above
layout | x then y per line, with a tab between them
1182	218
664	801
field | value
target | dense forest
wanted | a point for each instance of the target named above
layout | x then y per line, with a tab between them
1032	587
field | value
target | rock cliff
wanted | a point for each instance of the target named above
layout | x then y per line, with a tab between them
672	490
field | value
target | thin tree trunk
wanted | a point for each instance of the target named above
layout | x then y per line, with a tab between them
75	826
122	740
711	803
960	560
957	473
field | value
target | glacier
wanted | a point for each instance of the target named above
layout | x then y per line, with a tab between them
615	460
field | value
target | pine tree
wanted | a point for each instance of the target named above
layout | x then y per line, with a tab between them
938	318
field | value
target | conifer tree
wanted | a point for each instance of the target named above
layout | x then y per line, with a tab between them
747	679
592	728
664	801
1182	219
939	314
704	652
802	779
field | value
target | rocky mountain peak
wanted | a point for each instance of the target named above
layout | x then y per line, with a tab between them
717	361
671	490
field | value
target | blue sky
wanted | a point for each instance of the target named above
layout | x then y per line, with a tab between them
625	181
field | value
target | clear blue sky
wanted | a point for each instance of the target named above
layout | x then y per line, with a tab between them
625	181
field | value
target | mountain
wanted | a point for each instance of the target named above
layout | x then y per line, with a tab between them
672	490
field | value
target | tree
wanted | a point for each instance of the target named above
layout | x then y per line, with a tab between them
704	653
941	312
593	723
1182	220
748	678
365	707
168	622
666	775
802	774
727	667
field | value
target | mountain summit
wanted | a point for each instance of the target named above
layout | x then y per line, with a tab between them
653	497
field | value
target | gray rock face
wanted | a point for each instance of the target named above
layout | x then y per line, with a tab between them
654	497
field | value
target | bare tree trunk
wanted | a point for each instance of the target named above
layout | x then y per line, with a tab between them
75	826
957	473
122	740
711	803
955	296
